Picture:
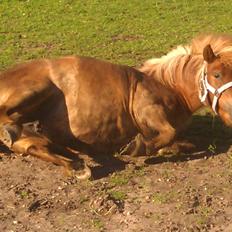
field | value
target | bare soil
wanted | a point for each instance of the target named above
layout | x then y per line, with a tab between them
178	192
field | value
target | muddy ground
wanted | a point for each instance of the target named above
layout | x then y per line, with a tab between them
179	192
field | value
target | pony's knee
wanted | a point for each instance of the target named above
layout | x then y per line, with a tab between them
164	138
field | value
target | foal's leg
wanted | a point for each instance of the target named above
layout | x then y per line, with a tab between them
157	130
21	140
9	133
17	105
135	148
164	138
14	112
178	147
10	130
42	148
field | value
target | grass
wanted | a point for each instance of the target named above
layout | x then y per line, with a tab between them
159	198
120	178
118	195
121	32
140	171
24	194
204	215
165	197
98	224
83	199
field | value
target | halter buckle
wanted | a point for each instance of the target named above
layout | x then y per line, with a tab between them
216	93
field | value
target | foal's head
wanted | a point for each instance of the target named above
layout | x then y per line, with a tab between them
216	83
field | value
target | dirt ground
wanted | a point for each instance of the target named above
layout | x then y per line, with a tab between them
179	192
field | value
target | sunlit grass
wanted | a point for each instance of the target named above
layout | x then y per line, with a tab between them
123	32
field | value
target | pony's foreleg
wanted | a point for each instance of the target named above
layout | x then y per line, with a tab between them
178	147
44	149
135	148
164	138
157	131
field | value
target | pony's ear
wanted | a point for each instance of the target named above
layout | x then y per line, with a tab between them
208	54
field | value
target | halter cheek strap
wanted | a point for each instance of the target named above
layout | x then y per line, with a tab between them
205	88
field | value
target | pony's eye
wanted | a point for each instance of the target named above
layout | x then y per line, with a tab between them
217	75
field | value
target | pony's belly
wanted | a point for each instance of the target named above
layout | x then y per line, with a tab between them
95	125
102	133
103	130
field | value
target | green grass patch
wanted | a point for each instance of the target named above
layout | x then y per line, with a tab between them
83	199
117	31
140	171
118	195
159	198
204	215
24	194
164	197
98	224
119	179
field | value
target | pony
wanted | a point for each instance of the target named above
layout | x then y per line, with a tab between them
80	104
92	106
201	75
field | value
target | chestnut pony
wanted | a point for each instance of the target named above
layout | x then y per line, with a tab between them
200	74
92	106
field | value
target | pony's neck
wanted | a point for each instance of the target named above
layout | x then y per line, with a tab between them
187	81
181	74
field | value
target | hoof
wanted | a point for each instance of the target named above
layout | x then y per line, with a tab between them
150	151
6	138
167	151
177	148
9	134
79	170
83	174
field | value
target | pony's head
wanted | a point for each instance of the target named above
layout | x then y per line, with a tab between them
216	82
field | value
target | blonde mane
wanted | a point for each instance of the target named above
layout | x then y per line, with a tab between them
164	65
220	43
164	68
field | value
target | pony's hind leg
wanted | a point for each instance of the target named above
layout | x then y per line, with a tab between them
9	133
22	105
44	149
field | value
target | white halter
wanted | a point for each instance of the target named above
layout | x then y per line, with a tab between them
205	87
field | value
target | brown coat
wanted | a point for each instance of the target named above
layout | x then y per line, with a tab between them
83	103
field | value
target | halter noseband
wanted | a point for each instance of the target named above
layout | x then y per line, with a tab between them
205	88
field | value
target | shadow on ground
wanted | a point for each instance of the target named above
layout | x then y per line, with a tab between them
207	133
210	136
